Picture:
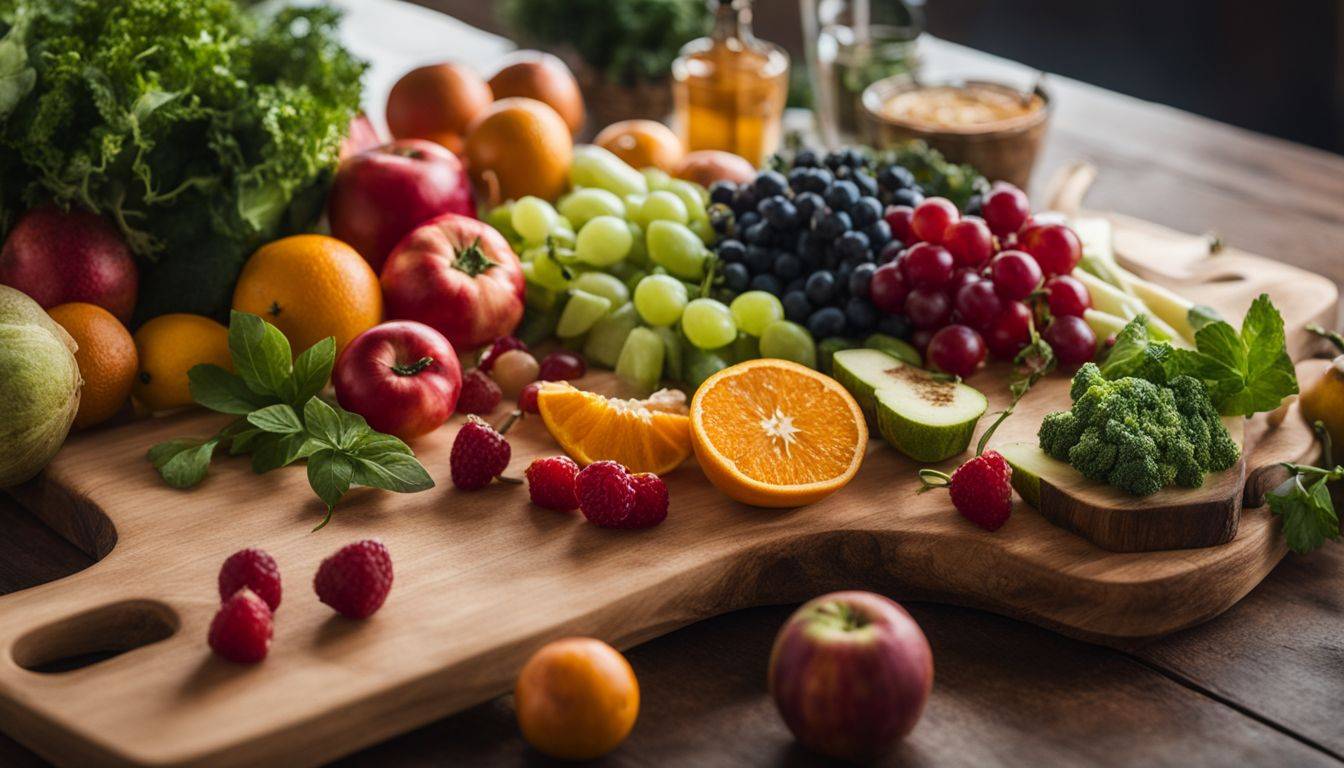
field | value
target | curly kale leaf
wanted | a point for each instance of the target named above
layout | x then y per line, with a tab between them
197	128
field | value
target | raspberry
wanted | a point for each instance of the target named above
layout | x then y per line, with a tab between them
479	393
502	344
479	455
527	399
254	569
650	501
242	628
606	494
550	483
981	489
355	581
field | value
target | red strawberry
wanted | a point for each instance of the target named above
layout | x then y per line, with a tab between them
479	454
479	393
242	628
355	581
550	483
981	489
606	494
254	569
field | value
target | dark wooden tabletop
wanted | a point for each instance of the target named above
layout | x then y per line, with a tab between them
1262	684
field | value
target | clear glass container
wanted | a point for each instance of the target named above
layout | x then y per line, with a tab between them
729	88
852	44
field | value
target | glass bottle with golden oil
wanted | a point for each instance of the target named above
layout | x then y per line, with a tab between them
729	88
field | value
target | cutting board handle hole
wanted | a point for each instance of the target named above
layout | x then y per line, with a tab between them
94	636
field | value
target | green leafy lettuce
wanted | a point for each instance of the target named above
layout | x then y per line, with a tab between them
1246	372
201	130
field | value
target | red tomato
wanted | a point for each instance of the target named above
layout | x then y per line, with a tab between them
403	377
458	276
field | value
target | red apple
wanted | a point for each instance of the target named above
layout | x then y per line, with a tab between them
458	276
850	673
58	256
380	195
403	377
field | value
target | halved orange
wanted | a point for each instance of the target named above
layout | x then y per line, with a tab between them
645	435
771	433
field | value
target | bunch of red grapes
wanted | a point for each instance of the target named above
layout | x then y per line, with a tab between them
972	286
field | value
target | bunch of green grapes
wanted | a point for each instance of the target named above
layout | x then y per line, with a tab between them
621	269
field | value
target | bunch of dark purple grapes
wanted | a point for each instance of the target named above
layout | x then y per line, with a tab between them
812	233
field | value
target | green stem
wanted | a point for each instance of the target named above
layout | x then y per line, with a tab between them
931	479
1327	448
413	368
514	416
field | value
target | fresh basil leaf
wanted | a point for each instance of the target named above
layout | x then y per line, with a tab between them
322	422
353	426
261	354
219	390
271	451
242	441
373	443
183	462
1201	315
312	369
278	418
329	473
392	472
1308	515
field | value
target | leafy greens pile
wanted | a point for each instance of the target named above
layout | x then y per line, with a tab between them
281	419
201	130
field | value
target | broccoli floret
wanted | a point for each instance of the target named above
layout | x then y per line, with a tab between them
1137	435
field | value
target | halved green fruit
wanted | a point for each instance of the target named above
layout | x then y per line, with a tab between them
1030	464
921	414
893	346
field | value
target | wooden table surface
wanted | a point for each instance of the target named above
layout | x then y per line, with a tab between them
1261	685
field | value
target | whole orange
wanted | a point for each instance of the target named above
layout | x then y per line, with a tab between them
436	102
106	357
642	144
519	147
310	287
168	347
577	699
541	76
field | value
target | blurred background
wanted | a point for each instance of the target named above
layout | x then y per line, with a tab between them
1276	68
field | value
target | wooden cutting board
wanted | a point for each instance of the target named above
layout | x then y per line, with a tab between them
483	579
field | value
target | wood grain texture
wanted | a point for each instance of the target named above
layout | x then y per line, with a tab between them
483	579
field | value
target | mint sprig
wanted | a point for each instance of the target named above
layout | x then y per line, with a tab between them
1303	500
282	420
1247	372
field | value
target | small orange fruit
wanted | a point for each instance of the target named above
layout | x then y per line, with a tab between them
168	346
437	102
772	433
106	356
543	77
310	287
650	435
519	147
642	144
577	699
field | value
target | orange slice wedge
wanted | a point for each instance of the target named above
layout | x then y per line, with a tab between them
771	433
645	435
